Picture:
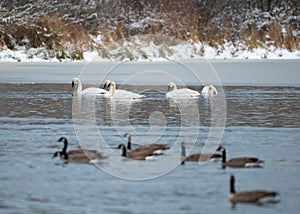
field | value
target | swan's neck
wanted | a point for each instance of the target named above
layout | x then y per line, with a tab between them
112	88
79	86
172	88
129	143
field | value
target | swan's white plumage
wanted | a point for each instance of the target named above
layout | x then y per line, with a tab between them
209	90
173	92
77	89
119	93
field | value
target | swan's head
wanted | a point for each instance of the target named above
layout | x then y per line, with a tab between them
107	84
74	80
212	90
172	86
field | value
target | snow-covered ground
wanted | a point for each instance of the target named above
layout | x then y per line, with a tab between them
152	52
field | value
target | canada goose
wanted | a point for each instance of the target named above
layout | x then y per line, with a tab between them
136	155
173	92
119	93
209	90
78	155
198	156
239	162
255	196
77	89
153	148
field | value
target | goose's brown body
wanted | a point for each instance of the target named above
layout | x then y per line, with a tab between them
239	162
76	156
255	196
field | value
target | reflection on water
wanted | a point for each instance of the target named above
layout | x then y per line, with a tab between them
263	106
246	106
260	121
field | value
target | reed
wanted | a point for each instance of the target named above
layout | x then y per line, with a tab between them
185	20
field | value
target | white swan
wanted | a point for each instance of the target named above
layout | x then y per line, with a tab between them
77	89
209	90
119	93
173	92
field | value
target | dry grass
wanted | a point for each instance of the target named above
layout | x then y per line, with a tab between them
273	35
185	20
58	37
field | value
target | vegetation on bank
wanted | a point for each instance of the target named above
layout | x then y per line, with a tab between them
64	29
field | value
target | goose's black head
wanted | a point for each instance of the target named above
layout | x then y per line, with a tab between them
56	154
126	135
121	146
61	155
65	141
73	84
62	139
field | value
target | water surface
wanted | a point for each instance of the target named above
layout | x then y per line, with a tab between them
262	121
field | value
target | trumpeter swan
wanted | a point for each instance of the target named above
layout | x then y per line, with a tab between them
119	93
77	89
173	92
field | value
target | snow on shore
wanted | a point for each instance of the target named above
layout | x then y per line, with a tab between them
151	52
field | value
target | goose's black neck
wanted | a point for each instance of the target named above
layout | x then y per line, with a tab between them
65	155
183	154
64	150
224	156
232	189
124	152
129	142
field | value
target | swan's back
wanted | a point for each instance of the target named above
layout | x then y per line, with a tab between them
120	93
95	91
173	92
123	94
77	89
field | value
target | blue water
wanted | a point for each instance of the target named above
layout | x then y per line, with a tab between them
260	121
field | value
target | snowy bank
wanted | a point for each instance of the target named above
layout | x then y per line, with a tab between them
139	51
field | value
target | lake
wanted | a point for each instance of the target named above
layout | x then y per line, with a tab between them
251	116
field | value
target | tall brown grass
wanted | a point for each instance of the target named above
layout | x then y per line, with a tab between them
185	20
